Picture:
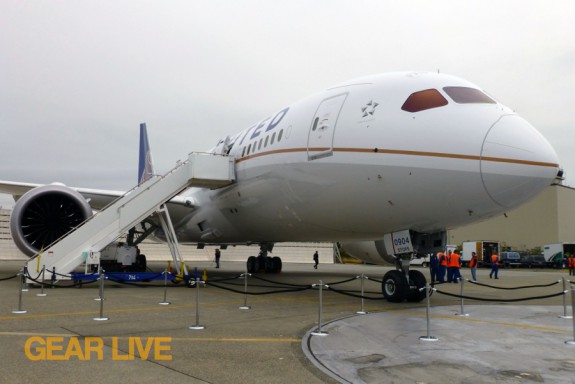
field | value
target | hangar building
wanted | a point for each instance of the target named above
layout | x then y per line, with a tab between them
547	219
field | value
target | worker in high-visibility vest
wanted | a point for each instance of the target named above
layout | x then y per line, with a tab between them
450	266
494	265
456	265
441	267
473	266
571	265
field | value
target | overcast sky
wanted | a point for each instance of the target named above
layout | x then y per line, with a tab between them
77	77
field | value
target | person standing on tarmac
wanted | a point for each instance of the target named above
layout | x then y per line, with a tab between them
473	266
433	267
217	256
456	262
494	265
315	259
571	265
441	267
450	268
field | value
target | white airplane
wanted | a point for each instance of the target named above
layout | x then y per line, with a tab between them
385	163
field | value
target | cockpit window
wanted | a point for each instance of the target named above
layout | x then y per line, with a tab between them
465	95
422	100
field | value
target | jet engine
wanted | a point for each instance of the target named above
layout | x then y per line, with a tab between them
44	214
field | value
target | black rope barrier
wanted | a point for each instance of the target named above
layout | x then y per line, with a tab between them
500	300
513	288
302	288
348	293
274	282
8	278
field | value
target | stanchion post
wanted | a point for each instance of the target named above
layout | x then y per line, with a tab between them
197	325
462	311
427	310
24	274
102	277
362	311
565	291
42	294
572	342
20	289
319	332
165	302
245	306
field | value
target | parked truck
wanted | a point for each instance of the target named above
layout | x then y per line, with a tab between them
556	254
483	250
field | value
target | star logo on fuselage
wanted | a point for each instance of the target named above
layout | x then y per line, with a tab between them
369	108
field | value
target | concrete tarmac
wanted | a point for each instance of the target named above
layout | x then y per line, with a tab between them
271	342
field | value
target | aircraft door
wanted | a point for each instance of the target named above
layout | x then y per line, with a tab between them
322	129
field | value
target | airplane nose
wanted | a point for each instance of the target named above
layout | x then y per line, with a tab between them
517	162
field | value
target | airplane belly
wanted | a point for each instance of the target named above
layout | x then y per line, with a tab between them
299	206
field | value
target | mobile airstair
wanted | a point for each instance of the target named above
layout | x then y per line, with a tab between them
199	170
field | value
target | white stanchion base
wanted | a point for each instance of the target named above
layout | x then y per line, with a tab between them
99	299
24	289
462	314
197	327
428	338
19	312
362	312
165	303
322	333
570	342
565	317
245	307
101	318
41	294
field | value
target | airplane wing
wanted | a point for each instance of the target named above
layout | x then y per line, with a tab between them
97	198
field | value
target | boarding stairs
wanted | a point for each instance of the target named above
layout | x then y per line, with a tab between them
199	170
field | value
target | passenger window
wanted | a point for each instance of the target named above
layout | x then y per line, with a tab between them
273	138
422	100
266	142
465	95
280	135
249	149
260	144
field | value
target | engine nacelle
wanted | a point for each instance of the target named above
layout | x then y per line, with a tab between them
44	214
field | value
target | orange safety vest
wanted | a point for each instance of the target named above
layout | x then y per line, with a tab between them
571	262
473	262
495	259
442	259
454	261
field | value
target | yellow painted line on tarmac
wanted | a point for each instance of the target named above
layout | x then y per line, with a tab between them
240	339
198	339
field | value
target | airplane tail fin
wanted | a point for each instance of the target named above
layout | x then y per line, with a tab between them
146	167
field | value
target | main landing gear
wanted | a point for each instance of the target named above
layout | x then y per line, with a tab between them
403	284
263	262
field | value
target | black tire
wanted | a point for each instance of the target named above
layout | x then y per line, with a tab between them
277	264
394	287
252	264
269	265
417	279
261	264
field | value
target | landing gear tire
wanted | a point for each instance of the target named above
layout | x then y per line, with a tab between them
418	280
252	264
277	262
394	287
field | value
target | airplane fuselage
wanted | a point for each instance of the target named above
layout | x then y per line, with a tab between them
420	151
